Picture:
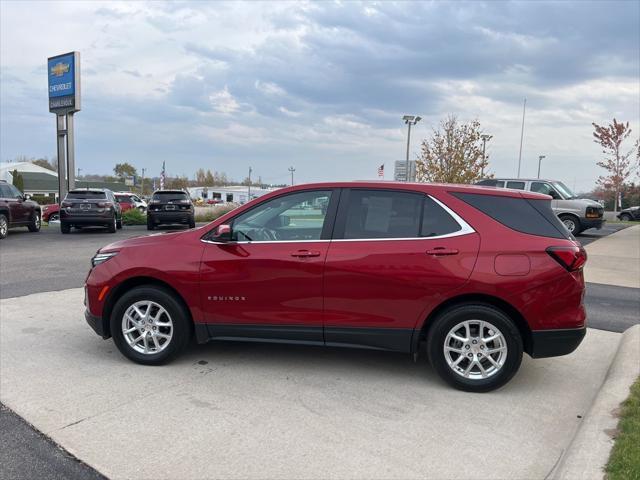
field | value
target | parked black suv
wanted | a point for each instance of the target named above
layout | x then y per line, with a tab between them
630	214
86	207
168	207
16	210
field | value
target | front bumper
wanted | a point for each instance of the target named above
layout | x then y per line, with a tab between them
554	343
97	324
592	223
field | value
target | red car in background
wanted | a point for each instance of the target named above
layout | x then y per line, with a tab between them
478	275
125	201
51	213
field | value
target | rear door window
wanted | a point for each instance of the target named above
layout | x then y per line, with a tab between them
436	221
516	185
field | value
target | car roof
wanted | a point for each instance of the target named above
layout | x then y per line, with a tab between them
170	191
509	179
425	187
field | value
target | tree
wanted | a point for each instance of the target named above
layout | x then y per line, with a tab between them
125	169
208	179
616	162
200	177
44	162
453	154
18	181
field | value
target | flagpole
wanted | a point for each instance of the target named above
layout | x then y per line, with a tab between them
524	109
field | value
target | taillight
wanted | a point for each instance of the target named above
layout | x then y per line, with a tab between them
105	204
571	258
66	204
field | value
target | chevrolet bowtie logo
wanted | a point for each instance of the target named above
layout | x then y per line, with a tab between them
59	69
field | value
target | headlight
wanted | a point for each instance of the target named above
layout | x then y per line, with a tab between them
102	257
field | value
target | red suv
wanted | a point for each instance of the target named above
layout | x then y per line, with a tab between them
477	274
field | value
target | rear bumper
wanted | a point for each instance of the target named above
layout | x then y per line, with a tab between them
170	217
554	343
97	219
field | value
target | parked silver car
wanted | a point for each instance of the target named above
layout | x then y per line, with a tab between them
577	214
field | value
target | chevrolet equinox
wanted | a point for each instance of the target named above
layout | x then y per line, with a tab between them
477	274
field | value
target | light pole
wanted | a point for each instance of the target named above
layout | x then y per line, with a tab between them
142	186
485	138
409	120
291	169
249	193
539	162
524	109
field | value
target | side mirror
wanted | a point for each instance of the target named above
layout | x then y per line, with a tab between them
222	233
285	220
26	196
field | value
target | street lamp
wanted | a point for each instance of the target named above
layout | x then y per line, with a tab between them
539	162
291	169
409	120
485	138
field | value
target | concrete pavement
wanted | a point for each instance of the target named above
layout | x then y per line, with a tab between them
615	259
272	411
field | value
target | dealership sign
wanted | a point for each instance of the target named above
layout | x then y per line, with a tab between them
64	83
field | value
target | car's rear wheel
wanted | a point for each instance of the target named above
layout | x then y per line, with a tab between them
65	227
150	224
34	225
119	224
571	223
149	325
4	226
625	217
113	225
474	347
192	222
54	217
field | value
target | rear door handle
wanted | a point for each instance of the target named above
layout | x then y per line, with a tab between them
442	251
305	254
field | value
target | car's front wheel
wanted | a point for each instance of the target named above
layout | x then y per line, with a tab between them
112	226
149	325
54	217
571	223
34	225
625	217
474	347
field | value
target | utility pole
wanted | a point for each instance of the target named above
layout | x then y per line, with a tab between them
539	162
409	120
142	187
524	109
79	170
291	169
485	138
249	193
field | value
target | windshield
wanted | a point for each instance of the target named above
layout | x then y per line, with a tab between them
170	196
564	190
123	199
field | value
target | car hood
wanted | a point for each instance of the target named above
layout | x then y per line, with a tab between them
588	201
145	240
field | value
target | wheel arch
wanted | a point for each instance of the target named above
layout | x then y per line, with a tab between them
476	298
5	211
127	285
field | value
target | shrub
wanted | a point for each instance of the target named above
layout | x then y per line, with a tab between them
214	212
134	217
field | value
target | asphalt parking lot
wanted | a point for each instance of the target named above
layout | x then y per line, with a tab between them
311	395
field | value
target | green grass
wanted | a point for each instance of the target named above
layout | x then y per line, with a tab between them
624	462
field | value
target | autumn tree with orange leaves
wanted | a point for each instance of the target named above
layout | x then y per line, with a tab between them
617	162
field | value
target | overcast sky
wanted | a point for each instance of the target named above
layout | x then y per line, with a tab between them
320	86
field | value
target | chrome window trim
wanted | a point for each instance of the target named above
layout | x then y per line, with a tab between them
465	229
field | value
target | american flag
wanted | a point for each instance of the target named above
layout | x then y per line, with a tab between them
381	171
162	177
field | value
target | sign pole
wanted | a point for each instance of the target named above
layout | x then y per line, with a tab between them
61	133
71	154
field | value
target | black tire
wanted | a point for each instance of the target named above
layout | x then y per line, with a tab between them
182	326
192	222
571	223
54	217
119	224
65	227
4	226
448	320
625	217
150	224
34	225
113	225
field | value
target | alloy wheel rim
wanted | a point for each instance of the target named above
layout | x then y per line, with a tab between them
147	327
475	349
37	222
3	227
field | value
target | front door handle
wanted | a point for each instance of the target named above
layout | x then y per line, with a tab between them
442	251
305	254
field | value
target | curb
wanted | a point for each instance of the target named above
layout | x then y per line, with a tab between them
588	452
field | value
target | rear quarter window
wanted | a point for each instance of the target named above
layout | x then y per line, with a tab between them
534	217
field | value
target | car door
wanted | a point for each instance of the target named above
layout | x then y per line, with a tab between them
395	255
266	283
20	212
